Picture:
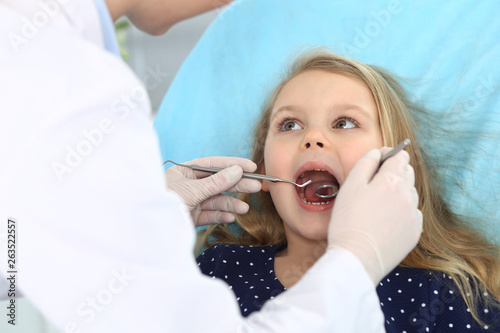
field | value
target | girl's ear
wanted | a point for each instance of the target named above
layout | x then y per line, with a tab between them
262	171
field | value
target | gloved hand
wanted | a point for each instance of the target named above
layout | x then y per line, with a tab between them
377	220
201	191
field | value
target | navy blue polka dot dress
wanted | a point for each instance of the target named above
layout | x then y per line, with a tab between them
412	300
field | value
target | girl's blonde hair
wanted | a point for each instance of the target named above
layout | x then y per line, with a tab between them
448	244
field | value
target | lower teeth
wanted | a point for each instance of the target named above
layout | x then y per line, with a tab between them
315	203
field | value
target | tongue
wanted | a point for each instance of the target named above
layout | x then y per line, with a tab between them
310	191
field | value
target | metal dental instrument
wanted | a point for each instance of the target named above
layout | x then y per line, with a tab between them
322	188
405	143
318	191
245	174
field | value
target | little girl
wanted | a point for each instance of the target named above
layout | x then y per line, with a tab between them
326	113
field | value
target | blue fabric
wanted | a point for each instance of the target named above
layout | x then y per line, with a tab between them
447	51
412	300
249	270
108	29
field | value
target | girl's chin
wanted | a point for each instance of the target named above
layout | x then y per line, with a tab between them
313	231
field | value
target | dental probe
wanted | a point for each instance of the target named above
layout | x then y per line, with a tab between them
405	143
245	174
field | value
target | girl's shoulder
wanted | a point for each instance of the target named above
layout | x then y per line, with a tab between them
238	250
429	301
233	263
235	254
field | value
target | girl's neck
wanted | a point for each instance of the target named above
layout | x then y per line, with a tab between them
300	249
296	259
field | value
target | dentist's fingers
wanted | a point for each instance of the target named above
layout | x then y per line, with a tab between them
221	209
203	195
244	185
402	158
224	162
229	181
365	168
389	224
225	203
211	217
384	150
398	169
217	183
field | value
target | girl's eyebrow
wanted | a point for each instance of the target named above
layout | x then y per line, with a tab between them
287	108
352	107
335	108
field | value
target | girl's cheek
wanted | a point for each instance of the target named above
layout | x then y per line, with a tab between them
272	156
271	166
353	160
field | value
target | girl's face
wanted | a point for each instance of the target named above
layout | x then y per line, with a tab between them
321	124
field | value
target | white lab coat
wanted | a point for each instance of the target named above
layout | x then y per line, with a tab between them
102	246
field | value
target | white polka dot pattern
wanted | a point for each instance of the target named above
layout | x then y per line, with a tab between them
412	300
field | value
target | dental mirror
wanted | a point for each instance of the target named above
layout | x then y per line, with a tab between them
330	191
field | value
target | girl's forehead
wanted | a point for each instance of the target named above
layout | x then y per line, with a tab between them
317	86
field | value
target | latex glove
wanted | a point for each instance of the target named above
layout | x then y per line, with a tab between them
377	220
201	191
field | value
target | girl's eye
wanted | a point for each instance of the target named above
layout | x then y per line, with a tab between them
290	125
345	123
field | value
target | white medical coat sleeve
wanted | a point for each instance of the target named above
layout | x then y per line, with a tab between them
102	246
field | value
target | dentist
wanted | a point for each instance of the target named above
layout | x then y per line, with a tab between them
101	245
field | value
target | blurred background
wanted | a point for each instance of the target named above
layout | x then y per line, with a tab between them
156	60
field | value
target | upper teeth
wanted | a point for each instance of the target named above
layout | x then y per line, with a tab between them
303	173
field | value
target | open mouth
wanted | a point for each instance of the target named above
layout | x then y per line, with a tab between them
318	178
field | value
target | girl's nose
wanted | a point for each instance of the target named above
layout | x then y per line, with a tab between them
318	143
314	138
